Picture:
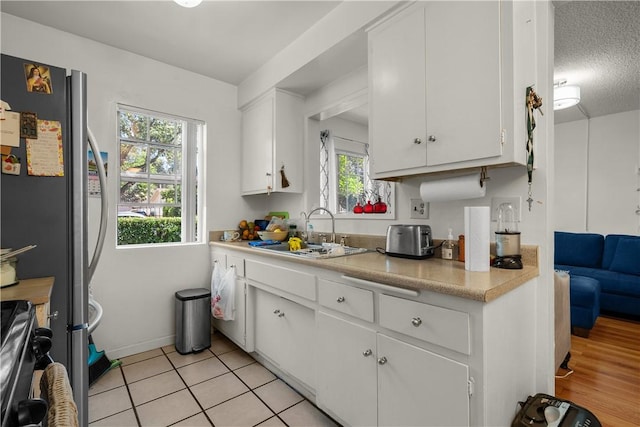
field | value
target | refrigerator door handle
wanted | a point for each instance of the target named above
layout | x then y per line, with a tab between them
104	211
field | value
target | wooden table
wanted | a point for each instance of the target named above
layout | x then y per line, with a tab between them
37	290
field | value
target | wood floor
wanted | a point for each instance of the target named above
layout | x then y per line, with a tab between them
606	372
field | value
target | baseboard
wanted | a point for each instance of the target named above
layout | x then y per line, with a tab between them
141	347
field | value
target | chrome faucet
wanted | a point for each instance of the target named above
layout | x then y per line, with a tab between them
333	222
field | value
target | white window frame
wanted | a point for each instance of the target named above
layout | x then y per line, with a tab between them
339	145
192	188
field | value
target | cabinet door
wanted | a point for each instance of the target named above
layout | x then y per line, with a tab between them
463	81
235	329
298	338
268	332
347	367
257	146
417	387
397	94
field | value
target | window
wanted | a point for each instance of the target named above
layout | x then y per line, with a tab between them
344	177
158	181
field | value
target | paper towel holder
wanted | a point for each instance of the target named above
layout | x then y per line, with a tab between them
483	176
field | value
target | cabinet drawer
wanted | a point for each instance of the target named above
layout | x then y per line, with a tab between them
288	280
238	262
346	299
441	326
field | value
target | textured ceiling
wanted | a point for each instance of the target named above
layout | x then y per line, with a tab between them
597	47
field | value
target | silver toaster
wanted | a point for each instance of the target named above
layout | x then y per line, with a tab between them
409	241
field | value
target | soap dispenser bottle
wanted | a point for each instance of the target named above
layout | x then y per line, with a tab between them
448	246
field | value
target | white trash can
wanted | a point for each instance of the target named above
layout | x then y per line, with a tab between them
193	320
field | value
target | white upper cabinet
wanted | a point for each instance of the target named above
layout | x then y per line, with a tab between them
438	82
397	88
272	143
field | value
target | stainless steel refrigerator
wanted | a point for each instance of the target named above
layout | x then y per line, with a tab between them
51	211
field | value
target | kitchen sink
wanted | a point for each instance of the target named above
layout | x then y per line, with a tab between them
313	251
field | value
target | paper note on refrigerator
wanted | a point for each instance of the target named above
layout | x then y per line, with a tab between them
10	129
44	154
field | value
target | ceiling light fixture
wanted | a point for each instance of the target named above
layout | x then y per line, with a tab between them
188	3
565	96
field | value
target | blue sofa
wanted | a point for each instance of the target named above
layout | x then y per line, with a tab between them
614	261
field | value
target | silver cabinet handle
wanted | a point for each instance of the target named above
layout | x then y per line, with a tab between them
416	321
276	311
340	299
432	138
417	141
53	315
367	352
382	360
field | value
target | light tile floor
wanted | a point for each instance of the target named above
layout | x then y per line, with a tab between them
221	386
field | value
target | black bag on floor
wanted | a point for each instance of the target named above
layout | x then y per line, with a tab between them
545	410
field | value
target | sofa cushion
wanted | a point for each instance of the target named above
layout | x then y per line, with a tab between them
627	257
610	246
611	282
578	249
585	292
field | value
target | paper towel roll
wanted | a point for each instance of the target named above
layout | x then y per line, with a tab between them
477	224
458	188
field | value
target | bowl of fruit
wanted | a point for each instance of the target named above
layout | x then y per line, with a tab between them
277	234
248	230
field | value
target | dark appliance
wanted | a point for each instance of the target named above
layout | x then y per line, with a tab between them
24	348
51	211
507	239
549	411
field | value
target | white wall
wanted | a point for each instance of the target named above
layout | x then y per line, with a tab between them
570	202
597	174
136	286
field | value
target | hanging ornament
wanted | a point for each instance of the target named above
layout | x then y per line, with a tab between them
533	102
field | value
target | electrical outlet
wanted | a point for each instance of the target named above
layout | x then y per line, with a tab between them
419	209
516	202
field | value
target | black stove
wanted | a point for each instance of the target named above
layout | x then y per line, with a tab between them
24	348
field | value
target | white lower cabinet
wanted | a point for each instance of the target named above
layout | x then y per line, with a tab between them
368	378
347	384
372	355
285	333
236	329
419	388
